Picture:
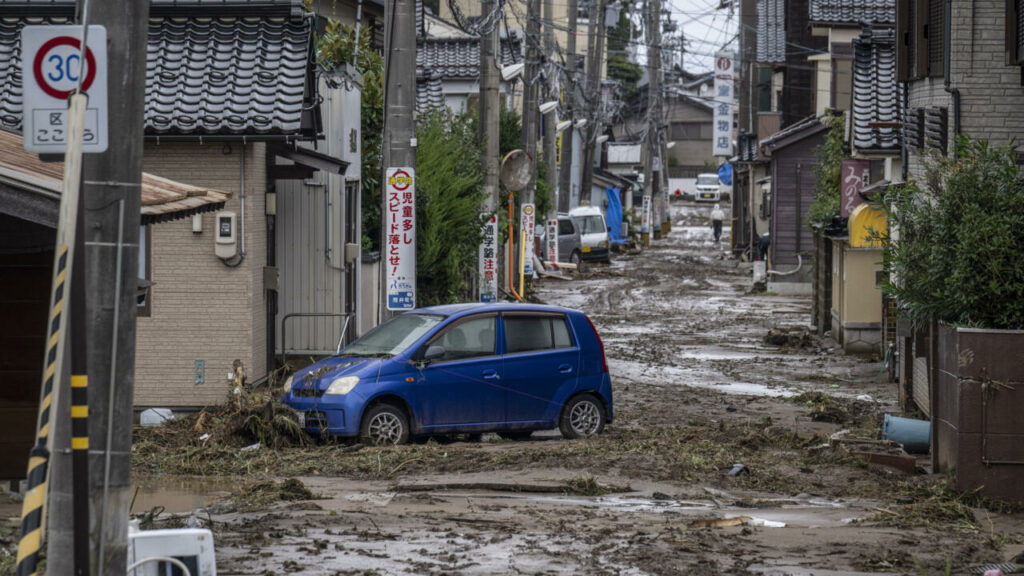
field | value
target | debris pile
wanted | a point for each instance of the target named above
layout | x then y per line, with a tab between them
795	337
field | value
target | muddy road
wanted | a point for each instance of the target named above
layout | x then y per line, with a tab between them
697	391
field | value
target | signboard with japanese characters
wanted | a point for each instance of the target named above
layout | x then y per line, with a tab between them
489	262
551	237
645	215
856	173
527	224
723	102
400	235
51	70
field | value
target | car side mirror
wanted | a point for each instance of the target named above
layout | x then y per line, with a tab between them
433	353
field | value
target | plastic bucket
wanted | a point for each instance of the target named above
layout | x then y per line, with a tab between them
914	435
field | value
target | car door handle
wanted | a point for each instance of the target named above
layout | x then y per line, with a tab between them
491	375
565	369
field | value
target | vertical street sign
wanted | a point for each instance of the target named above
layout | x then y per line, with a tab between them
645	216
50	67
527	224
488	260
723	102
400	249
551	236
856	173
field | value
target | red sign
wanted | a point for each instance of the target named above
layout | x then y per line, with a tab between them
65	66
856	174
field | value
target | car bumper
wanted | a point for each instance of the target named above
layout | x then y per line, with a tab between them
326	415
593	254
708	197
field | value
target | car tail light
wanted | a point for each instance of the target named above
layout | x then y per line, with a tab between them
604	359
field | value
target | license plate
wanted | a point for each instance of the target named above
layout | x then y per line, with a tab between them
302	419
706	195
586	249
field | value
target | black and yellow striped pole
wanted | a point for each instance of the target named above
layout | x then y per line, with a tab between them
33	510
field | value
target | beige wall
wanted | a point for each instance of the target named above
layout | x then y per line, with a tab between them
200	308
862	300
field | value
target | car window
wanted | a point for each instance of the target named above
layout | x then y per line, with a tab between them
394	336
533	333
707	180
470	339
565	228
593	224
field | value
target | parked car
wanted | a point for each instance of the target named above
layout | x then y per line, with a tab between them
707	188
593	233
505	368
570	244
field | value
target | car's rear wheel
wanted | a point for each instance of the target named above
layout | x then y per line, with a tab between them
385	425
575	258
583	416
515	434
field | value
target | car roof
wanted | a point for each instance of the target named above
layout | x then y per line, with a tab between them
471	307
584	210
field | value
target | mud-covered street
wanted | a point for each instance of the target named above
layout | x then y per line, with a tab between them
697	392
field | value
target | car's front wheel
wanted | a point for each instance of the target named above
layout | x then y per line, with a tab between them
583	416
575	258
385	425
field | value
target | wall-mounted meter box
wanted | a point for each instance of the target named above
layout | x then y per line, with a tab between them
226	237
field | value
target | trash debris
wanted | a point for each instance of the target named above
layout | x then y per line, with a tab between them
204	437
660	496
766	523
155	416
251	447
738	470
719	522
796	337
865	398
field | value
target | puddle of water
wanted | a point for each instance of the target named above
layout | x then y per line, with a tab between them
611	503
180	494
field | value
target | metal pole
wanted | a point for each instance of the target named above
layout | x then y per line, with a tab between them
110	178
399	105
595	58
569	95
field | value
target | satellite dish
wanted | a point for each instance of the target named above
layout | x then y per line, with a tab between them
516	168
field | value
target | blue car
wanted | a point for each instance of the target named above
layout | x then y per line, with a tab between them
461	368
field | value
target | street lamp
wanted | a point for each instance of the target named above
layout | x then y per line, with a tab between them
602	139
510	72
581	123
670	144
563	125
548	106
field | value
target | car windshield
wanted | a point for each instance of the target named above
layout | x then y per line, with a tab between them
591	224
394	336
707	181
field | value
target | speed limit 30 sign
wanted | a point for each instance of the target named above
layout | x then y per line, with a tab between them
51	65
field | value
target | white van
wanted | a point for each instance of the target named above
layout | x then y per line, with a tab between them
593	232
707	188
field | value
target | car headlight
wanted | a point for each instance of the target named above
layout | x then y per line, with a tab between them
288	384
342	385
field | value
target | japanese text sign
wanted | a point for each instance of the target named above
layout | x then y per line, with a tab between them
488	260
551	235
400	236
527	223
856	173
723	104
645	215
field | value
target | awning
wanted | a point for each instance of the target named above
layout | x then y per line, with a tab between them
31	189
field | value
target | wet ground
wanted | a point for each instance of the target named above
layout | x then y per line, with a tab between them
696	391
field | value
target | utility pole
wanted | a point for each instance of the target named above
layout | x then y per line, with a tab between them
112	188
490	111
531	113
565	174
550	119
398	147
595	53
652	177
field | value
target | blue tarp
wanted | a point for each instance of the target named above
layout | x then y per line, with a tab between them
725	174
614	219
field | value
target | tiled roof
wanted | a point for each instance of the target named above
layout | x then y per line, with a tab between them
876	93
429	93
771	30
159	8
810	125
204	76
748	148
162	199
440	59
853	11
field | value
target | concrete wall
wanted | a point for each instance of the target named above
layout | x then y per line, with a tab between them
862	301
202	309
992	99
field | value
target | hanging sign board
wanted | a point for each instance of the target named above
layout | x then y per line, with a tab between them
488	261
527	224
551	235
856	173
400	236
723	103
50	66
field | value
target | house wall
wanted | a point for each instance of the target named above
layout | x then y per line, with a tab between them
992	98
793	181
202	309
862	300
690	152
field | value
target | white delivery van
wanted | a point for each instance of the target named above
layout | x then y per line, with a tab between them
593	233
707	188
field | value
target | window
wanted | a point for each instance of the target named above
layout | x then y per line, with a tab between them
145	291
593	224
935	37
690	131
921	31
472	338
1014	32
536	333
565	227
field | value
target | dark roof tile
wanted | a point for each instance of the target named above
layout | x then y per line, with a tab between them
853	11
876	93
771	30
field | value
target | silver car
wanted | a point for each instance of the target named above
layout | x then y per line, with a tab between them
570	244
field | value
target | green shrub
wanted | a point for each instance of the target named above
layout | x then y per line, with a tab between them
957	251
828	173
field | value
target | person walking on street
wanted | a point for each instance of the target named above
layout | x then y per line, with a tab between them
716	221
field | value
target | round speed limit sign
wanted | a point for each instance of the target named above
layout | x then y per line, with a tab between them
57	64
